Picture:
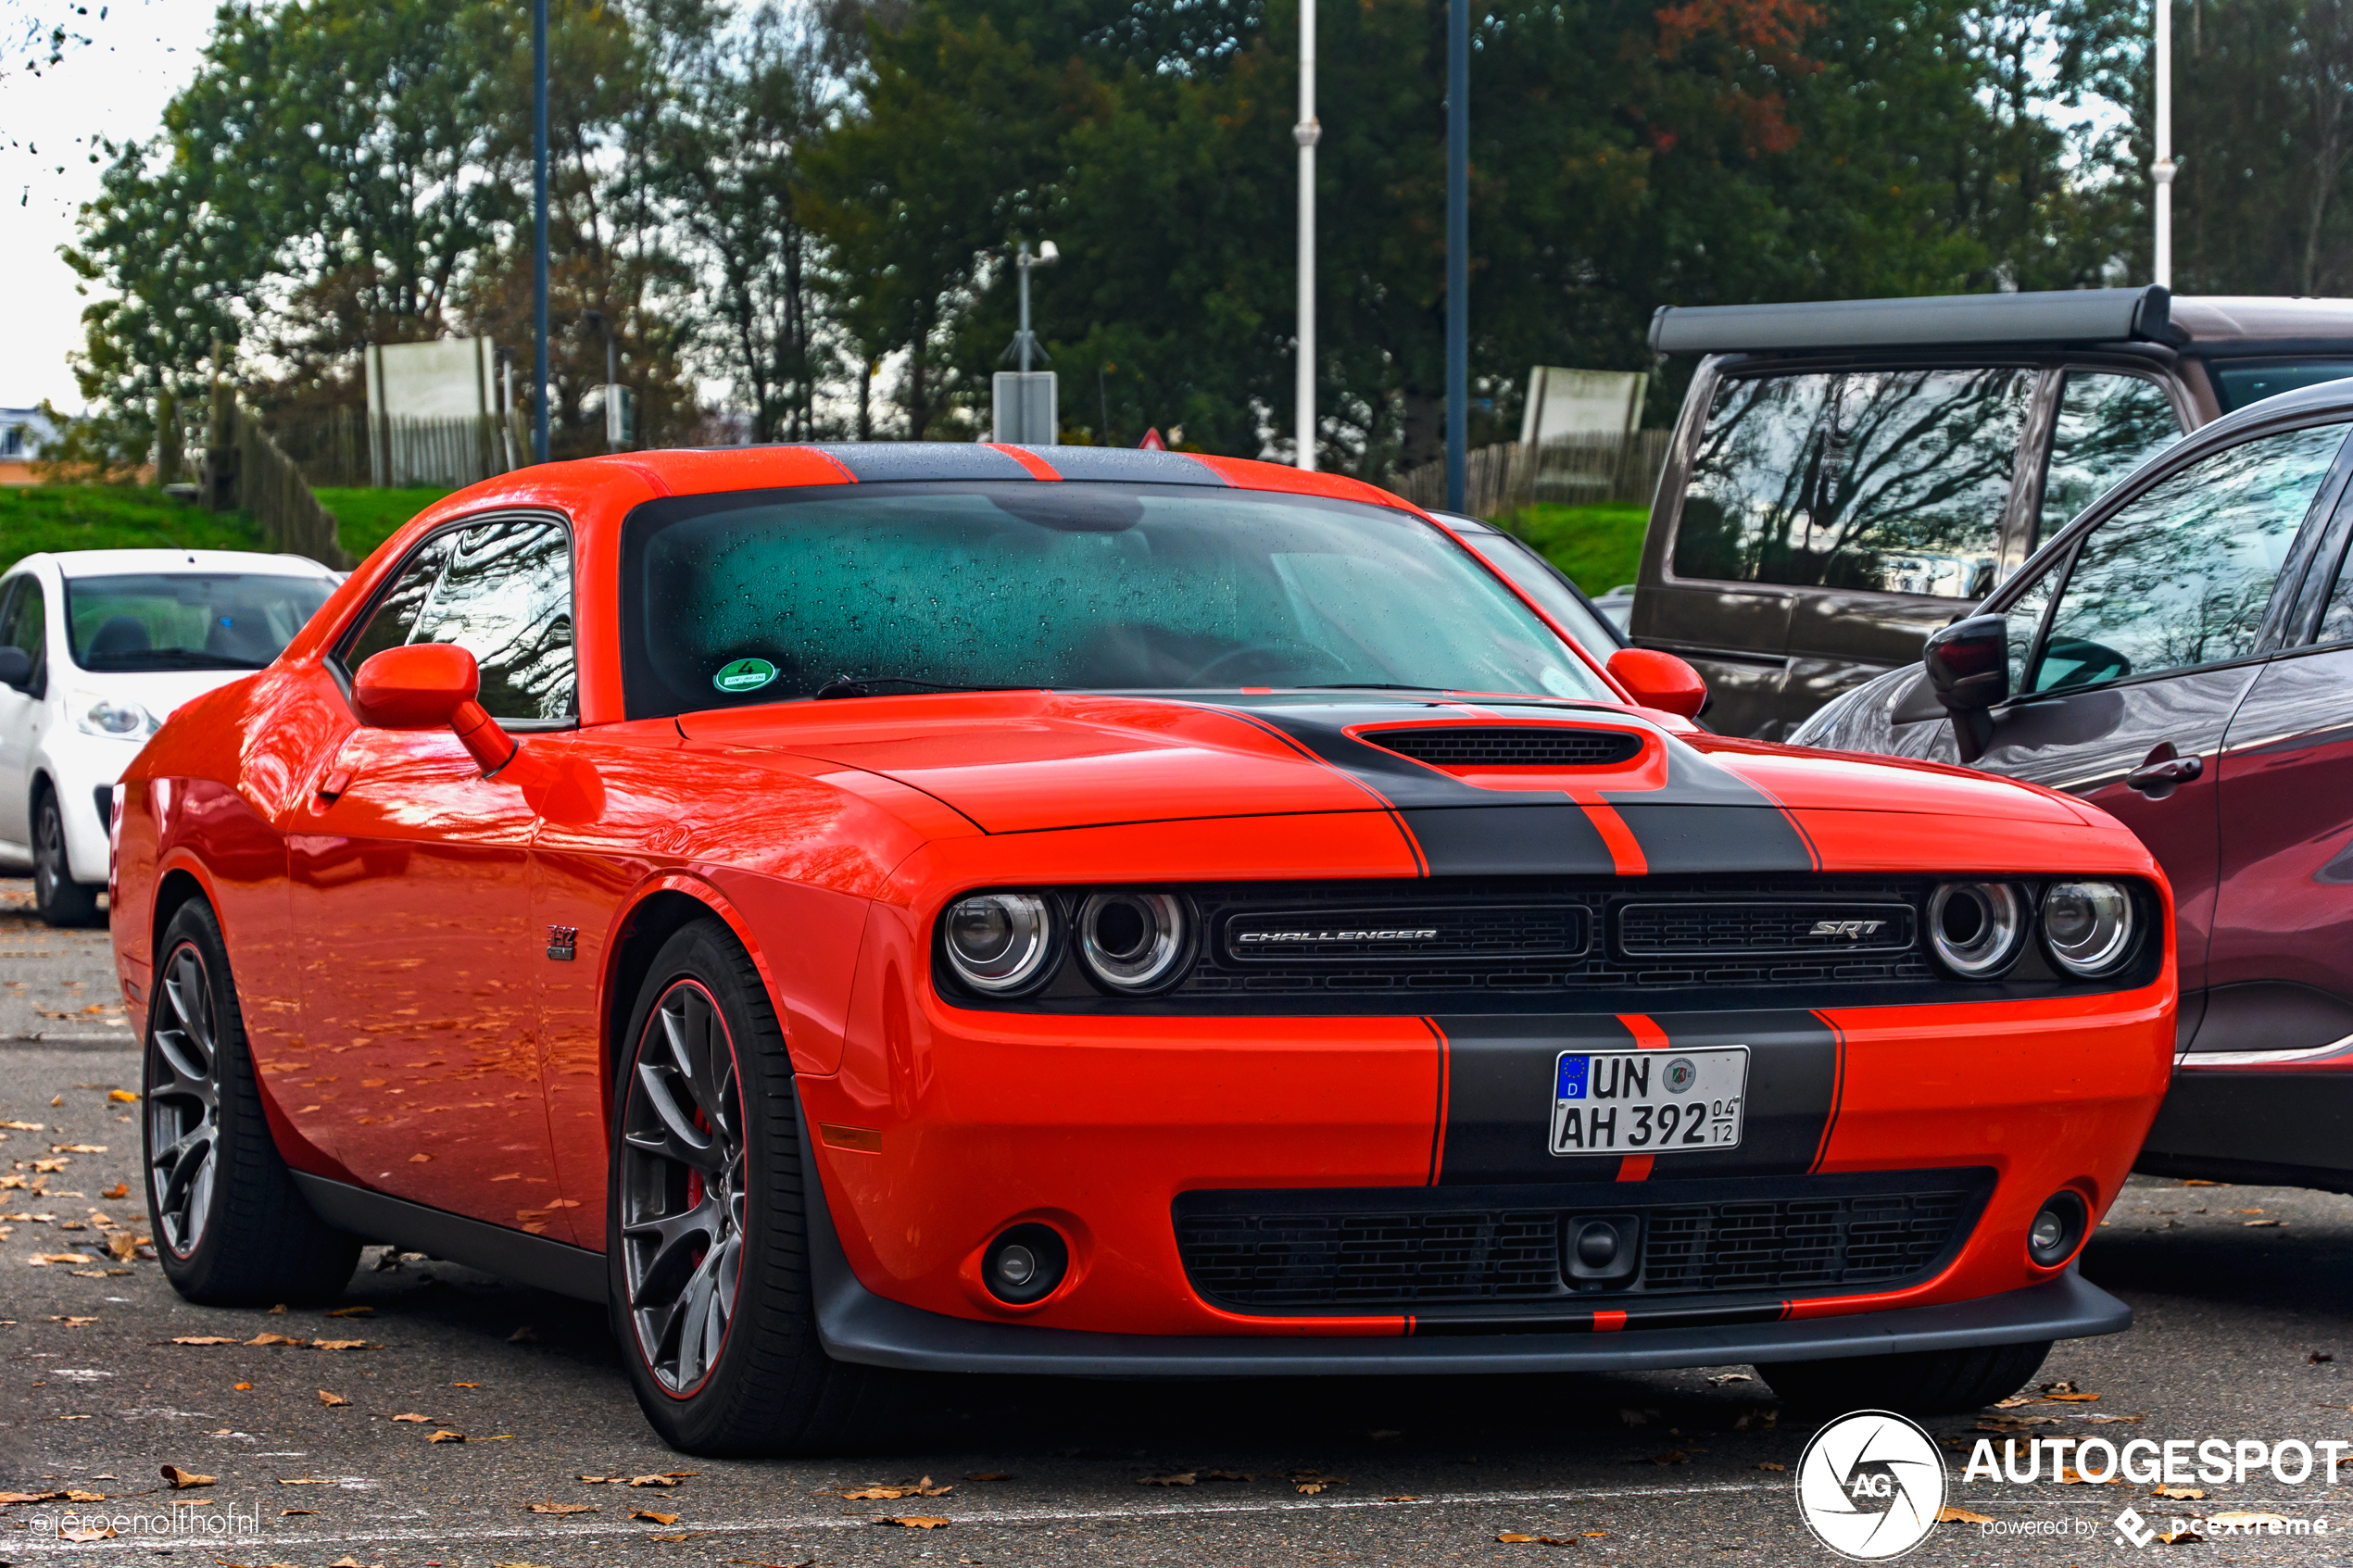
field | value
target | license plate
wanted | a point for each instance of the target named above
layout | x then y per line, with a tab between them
1648	1102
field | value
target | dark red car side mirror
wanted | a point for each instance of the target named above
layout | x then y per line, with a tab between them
425	686
1968	667
1659	680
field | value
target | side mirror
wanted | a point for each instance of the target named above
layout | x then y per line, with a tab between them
1659	680
426	686
15	667
1968	667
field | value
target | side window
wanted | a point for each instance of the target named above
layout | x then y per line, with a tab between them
2181	575
24	621
1887	480
2106	425
2025	618
502	590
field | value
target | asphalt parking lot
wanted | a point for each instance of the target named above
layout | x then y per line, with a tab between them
330	1437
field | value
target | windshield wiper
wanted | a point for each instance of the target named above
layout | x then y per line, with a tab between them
863	686
1366	686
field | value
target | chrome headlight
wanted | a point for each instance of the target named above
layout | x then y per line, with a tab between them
1977	928
1134	942
2089	927
97	715
999	943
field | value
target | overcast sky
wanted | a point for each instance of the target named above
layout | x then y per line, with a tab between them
114	87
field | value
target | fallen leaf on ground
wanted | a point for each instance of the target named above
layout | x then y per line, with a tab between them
990	1475
125	1246
350	1312
1733	1377
340	1345
563	1508
123	1097
101	1148
2069	1476
119	1191
651	1517
667	1478
9	1499
24	1127
2242	1519
1515	1538
305	1481
2013	1401
204	1339
332	1399
290	1512
447	1437
1948	1514
1181	1478
1768	1464
917	1522
684	1535
523	1336
2318	1357
275	1339
73	1323
241	1387
183	1479
2202	1182
414	1418
2179	1494
2186	1535
923	1488
2259	1224
1403	1497
84	1533
43	1259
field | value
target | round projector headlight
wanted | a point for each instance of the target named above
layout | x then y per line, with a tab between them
1133	942
998	942
1977	928
2088	926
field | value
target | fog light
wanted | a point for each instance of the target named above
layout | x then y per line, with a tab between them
1977	928
1601	1250
1024	1264
2057	1229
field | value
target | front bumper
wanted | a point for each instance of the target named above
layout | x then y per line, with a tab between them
856	1325
80	766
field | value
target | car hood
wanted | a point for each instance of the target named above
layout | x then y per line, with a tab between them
1635	794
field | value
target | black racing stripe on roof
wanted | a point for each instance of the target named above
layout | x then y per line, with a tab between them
879	462
1129	465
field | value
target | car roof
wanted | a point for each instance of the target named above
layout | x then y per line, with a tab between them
99	563
2062	316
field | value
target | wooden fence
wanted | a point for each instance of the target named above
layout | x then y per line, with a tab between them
349	447
1574	470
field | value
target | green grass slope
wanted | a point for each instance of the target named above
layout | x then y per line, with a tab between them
37	517
1599	547
365	519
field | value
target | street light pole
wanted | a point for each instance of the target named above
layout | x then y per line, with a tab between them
539	230
2162	170
1307	133
1458	244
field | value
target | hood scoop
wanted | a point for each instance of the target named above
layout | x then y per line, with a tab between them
1508	745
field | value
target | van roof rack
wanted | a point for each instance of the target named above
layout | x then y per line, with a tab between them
2059	316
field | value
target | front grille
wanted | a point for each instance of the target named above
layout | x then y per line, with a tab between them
1487	933
1722	927
1513	745
1408	1249
1527	954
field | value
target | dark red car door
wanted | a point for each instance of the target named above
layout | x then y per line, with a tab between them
2154	640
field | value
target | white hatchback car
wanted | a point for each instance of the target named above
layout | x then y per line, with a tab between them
96	649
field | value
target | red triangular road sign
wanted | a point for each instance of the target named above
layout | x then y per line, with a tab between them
1152	440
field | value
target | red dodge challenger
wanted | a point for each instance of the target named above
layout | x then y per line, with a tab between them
1067	910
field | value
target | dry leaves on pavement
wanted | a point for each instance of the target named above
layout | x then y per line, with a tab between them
351	1312
118	1192
444	1435
2064	1393
341	1345
2179	1494
562	1508
648	1515
183	1479
2240	1518
43	1259
1515	1538
275	1339
85	1533
917	1522
1948	1514
1181	1478
1307	1483
1768	1464
666	1478
204	1339
332	1399
412	1417
879	1493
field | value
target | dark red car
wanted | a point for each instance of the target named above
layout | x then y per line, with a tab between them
2181	654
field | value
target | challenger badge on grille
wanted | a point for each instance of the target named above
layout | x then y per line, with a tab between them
1424	932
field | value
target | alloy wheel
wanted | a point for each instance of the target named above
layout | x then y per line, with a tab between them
682	1188
183	1099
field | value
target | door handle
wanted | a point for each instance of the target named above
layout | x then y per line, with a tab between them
2158	777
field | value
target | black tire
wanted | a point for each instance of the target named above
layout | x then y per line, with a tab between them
1918	1383
230	1229
60	899
707	1239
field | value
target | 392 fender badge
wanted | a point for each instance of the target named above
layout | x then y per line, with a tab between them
563	943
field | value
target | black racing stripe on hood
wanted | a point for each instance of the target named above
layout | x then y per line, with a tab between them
1707	817
1499	1094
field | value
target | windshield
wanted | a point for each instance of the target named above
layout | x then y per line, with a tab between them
187	620
769	595
1538	581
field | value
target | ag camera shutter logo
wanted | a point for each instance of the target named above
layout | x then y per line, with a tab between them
1870	1486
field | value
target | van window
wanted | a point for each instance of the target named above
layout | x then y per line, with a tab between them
1888	480
2106	425
2251	380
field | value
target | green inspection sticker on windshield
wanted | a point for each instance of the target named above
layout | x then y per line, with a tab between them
745	675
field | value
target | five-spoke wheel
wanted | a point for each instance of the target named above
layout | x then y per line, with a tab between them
682	1188
183	1099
